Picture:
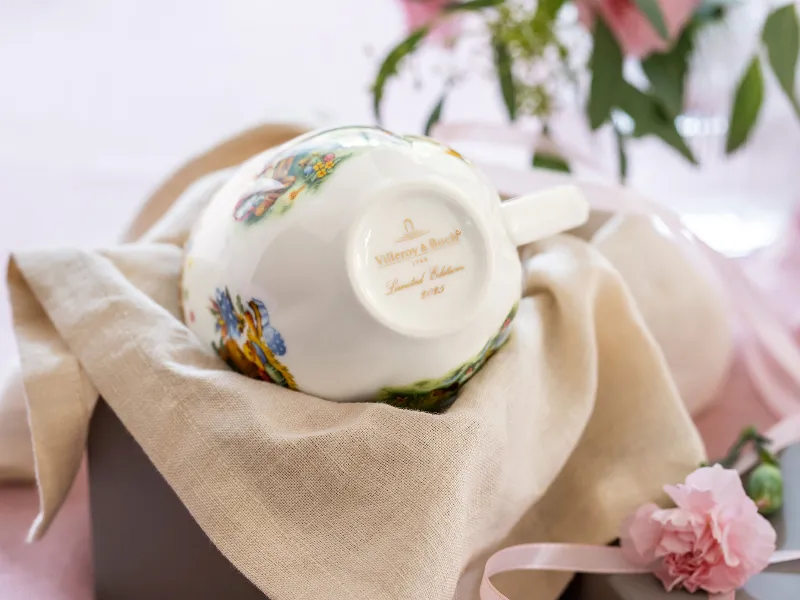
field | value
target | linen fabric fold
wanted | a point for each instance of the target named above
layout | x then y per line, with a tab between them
571	425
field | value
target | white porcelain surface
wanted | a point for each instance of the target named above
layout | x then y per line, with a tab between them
355	264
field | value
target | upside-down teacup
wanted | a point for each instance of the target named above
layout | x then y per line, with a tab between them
359	265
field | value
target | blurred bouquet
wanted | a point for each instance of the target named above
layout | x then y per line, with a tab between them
534	60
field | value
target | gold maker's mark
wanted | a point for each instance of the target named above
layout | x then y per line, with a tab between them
411	233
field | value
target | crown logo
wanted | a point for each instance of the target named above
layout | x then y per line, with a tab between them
411	233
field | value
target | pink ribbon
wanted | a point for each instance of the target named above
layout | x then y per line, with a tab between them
770	355
606	560
575	558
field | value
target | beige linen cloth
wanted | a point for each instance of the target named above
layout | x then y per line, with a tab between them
571	425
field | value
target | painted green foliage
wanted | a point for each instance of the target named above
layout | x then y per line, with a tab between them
437	395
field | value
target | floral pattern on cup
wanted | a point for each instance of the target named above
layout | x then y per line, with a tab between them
289	174
247	342
302	167
437	395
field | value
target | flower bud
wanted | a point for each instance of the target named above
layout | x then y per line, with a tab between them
765	487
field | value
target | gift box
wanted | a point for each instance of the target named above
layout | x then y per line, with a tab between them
777	582
146	543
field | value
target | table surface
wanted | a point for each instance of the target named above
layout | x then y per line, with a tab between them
100	100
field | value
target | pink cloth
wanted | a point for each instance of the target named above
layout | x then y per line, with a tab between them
738	406
776	272
57	568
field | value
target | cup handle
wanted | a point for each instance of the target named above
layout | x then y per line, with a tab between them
535	216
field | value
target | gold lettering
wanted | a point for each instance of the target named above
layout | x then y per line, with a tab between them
443	271
390	258
394	286
432	292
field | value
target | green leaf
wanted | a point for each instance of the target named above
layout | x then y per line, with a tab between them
389	66
651	119
502	62
546	10
781	35
606	66
667	73
471	5
436	114
652	10
746	106
543	160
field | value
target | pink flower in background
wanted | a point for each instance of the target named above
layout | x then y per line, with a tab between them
423	12
630	26
714	540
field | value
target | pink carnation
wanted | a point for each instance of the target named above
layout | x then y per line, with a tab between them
714	539
424	12
632	28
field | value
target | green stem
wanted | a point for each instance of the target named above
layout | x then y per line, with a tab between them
767	457
622	157
748	435
764	455
762	440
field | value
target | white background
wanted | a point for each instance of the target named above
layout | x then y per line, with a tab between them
100	99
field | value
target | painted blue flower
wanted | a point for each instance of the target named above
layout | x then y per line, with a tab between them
226	311
308	170
272	338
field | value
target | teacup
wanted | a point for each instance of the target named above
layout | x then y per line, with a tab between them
359	265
